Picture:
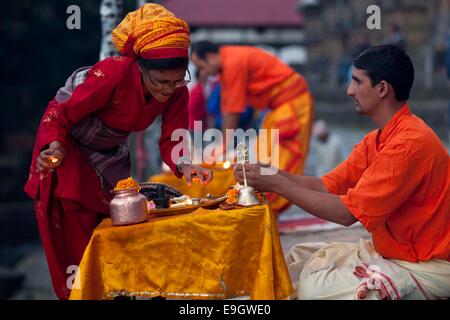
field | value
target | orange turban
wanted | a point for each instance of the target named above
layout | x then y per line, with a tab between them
152	32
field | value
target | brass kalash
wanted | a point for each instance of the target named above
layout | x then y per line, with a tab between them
247	194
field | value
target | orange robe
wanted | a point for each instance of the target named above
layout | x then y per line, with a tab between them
251	76
396	183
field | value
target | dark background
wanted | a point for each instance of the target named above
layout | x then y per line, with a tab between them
37	54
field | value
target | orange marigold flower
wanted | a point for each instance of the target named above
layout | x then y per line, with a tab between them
232	196
128	183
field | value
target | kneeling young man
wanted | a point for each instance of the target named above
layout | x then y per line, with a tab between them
395	183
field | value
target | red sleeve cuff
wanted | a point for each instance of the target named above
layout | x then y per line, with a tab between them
47	137
174	169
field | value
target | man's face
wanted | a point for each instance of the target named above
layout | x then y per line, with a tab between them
162	83
210	65
360	89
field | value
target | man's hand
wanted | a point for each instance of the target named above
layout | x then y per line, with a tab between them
191	171
50	158
262	177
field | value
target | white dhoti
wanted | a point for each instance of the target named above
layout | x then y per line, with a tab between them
356	271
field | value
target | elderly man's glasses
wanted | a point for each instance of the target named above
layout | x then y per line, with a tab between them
165	84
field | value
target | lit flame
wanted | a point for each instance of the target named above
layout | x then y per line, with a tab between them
54	160
226	164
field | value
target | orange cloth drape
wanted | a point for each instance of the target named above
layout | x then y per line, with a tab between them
207	254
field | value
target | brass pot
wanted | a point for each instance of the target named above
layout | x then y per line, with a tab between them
128	207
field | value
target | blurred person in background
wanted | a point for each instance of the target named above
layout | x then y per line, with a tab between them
327	148
245	118
397	36
362	43
252	76
197	102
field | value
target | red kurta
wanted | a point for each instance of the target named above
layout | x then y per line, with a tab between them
197	107
113	92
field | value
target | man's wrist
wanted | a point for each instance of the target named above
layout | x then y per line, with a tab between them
278	182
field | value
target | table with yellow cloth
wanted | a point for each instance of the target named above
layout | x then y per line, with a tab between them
223	179
206	254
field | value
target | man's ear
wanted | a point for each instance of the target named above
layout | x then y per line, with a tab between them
383	88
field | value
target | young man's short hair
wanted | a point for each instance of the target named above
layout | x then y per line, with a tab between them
389	63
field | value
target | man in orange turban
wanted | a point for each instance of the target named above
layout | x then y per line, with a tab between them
81	148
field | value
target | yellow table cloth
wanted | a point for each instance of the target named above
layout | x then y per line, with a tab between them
223	179
206	254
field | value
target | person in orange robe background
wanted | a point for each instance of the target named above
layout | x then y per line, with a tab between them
252	76
81	147
396	183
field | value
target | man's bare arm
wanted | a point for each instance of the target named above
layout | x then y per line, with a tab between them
312	183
